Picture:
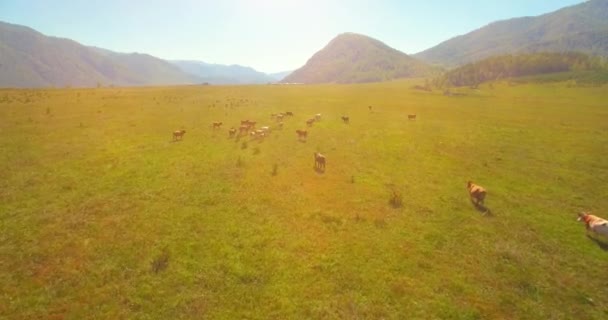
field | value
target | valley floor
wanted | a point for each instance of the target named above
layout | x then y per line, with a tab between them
103	216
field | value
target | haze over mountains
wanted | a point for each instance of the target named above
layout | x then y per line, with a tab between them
222	74
582	27
30	59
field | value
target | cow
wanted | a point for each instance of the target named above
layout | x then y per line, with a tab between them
318	117
309	122
232	132
289	113
302	134
279	116
476	192
178	135
411	116
594	223
243	129
281	125
319	161
217	125
346	119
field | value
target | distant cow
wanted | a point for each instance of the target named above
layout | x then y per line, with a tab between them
302	134
318	117
345	119
411	116
178	135
280	116
319	161
594	223
370	108
289	113
232	132
243	129
476	192
217	125
309	122
281	125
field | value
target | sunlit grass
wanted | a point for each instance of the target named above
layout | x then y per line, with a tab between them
103	216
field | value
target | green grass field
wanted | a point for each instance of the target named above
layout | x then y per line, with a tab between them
102	216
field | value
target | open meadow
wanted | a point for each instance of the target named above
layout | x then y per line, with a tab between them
103	216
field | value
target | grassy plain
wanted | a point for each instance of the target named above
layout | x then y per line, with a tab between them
102	216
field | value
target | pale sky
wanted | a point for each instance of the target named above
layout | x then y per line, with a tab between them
268	35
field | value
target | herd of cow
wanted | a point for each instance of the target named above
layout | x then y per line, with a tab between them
476	192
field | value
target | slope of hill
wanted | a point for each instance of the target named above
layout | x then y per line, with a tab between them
582	28
31	59
351	58
510	66
223	74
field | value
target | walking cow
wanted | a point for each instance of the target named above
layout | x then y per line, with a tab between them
319	161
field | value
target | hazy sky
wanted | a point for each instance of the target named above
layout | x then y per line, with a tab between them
269	35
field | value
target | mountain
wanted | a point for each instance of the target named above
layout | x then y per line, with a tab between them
351	58
223	74
31	59
524	65
582	27
278	76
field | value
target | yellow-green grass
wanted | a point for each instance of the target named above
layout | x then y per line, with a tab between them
102	216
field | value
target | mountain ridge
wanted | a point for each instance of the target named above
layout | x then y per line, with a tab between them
582	27
352	57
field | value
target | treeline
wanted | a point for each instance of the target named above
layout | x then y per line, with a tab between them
512	66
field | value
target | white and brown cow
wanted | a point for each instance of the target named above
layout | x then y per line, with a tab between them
594	223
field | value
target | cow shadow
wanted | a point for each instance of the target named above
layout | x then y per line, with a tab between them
319	170
603	245
482	209
302	141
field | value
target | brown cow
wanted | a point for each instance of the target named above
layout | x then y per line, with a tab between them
309	122
217	125
243	129
411	116
232	132
319	161
476	192
178	135
346	119
302	134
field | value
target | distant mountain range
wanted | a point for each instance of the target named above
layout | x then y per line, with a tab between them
352	57
31	59
223	74
582	27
